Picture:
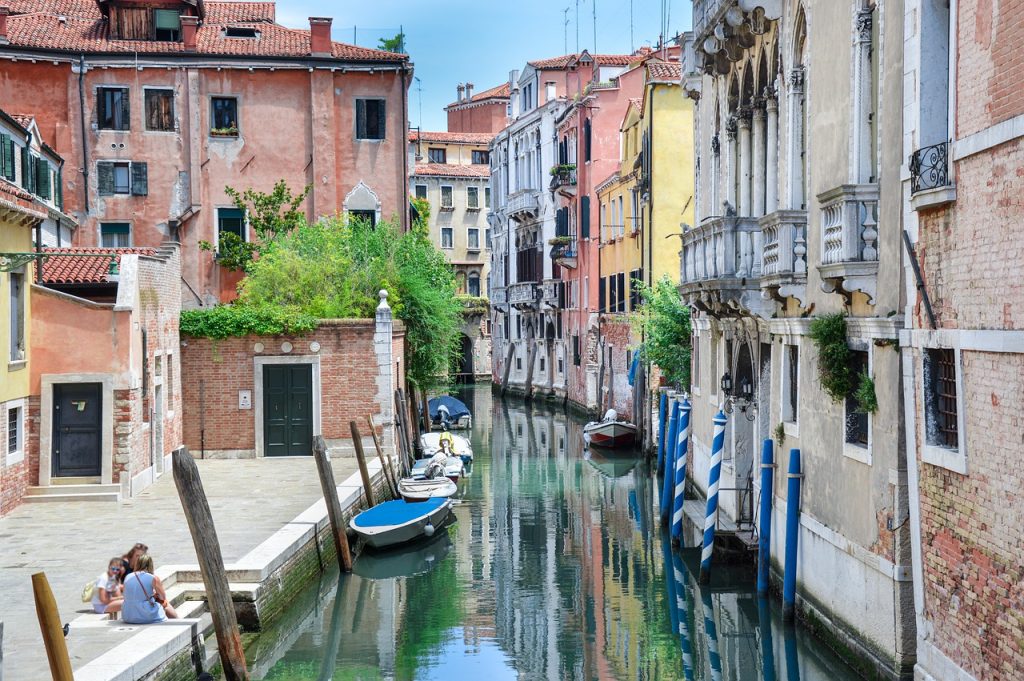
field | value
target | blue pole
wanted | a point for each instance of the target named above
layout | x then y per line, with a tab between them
764	623
680	474
670	585
667	482
683	616
792	535
662	409
792	654
712	634
764	546
717	445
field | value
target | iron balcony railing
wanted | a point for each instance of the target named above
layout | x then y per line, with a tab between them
929	168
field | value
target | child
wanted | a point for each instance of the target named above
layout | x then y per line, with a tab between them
106	597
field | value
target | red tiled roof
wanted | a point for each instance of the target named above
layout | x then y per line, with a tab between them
24	120
14	191
79	26
452	137
601	59
498	92
664	71
81	270
635	102
451	170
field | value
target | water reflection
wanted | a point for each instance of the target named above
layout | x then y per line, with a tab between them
556	568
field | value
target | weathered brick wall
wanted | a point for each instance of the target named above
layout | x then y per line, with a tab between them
990	65
16	477
348	379
616	332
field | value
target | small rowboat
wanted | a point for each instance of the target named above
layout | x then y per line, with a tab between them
415	490
453	468
609	432
397	522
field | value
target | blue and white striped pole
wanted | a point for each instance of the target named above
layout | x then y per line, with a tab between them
717	445
792	536
680	473
712	633
683	616
764	546
667	482
662	412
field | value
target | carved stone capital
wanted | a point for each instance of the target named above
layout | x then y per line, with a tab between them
730	128
716	145
864	21
796	79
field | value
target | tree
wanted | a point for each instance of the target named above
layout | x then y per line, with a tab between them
663	322
396	44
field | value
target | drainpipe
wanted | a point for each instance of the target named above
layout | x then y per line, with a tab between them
405	153
81	121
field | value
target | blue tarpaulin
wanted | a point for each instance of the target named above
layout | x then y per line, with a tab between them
456	408
633	367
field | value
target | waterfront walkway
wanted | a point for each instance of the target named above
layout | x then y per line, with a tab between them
72	542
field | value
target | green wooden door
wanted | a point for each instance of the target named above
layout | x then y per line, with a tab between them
288	409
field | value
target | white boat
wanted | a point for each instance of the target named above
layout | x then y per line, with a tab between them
416	489
453	468
609	432
460	446
397	522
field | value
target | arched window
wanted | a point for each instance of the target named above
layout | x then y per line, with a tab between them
474	283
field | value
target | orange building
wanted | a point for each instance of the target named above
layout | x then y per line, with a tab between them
487	111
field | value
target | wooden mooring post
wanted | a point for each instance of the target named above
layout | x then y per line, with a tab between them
364	473
53	631
330	490
211	564
385	461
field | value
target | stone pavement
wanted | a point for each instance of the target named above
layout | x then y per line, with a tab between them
72	542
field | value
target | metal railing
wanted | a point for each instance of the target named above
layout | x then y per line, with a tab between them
929	168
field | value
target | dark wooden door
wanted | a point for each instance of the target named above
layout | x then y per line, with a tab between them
288	410
77	417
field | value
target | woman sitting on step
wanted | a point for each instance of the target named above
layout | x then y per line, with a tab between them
145	601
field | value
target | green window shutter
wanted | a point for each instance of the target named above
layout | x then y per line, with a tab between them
584	217
360	119
26	174
140	179
43	178
12	160
105	178
4	139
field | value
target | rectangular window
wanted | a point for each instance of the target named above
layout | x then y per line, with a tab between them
122	177
857	423
446	198
15	435
167	25
421	191
695	361
481	157
576	350
17	315
474	238
487	197
487	238
446	237
160	110
115	235
365	217
437	155
224	117
942	414
370	119
231	221
112	108
790	383
473	198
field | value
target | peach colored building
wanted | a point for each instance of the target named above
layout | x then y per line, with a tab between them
161	105
488	111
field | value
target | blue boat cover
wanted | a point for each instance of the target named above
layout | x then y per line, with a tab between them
397	512
456	408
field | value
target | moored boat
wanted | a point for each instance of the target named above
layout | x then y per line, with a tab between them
447	412
453	468
415	490
397	522
609	432
458	445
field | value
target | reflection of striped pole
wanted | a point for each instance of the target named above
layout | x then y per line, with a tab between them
792	536
764	625
792	654
712	634
764	546
667	481
683	616
670	584
662	410
680	473
717	445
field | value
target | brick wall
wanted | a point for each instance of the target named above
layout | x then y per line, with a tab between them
990	64
14	477
616	332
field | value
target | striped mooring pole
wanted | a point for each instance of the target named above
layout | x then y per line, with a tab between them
683	616
764	546
792	536
680	473
667	481
717	445
662	411
712	633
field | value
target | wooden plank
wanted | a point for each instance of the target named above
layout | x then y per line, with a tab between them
211	564
52	630
364	473
385	461
330	490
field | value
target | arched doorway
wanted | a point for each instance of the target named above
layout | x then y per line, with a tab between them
464	372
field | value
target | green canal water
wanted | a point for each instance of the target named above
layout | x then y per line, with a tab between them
556	568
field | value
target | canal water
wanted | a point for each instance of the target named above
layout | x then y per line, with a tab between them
555	569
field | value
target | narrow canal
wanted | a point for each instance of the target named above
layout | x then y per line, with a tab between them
555	569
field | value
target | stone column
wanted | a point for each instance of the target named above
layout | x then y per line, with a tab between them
796	133
383	338
730	159
757	190
771	194
716	177
862	92
745	163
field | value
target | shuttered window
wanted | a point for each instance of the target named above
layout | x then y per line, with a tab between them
167	25
113	111
370	119
7	157
160	110
28	175
115	235
122	177
231	220
584	217
43	183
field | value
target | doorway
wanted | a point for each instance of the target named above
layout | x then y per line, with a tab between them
288	409
77	418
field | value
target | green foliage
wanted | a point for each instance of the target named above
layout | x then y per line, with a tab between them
232	251
560	240
780	435
422	207
663	321
562	168
396	44
829	335
867	401
474	304
226	321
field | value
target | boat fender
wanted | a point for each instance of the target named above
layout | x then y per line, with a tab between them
428	530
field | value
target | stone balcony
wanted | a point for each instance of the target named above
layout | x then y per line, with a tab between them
784	254
522	295
498	296
563	180
720	265
849	240
551	293
523	205
565	254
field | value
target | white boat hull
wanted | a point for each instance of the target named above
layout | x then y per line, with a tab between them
430	444
413	490
609	433
383	536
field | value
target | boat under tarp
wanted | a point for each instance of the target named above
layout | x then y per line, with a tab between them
450	411
396	522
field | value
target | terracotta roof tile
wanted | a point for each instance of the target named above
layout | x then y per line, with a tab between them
635	102
601	59
24	120
451	170
498	92
81	270
664	71
452	137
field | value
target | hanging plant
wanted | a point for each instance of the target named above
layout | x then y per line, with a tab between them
829	336
867	402
780	435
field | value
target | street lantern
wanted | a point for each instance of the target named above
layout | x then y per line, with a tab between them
726	383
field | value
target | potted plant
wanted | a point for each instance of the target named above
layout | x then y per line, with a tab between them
230	131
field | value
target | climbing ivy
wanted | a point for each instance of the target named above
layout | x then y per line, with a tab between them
828	333
864	395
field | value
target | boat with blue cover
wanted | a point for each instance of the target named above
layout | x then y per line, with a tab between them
398	522
449	412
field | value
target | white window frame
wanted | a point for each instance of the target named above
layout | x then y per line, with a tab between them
451	242
469	241
18	455
937	455
13	361
440	201
472	204
791	427
852	450
131	232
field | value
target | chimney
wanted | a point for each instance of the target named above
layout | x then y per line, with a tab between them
4	11
320	36
189	26
460	88
469	91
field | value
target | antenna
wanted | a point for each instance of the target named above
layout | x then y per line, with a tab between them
419	92
594	3
577	26
565	29
632	45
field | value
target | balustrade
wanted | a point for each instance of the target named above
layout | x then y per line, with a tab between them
849	239
721	248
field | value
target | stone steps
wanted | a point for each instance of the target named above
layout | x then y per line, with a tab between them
73	492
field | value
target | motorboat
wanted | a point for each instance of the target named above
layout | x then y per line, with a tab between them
458	445
453	468
404	562
449	413
609	431
420	489
397	522
610	466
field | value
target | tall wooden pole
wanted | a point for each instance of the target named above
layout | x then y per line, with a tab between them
53	631
330	490
357	441
385	461
211	564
